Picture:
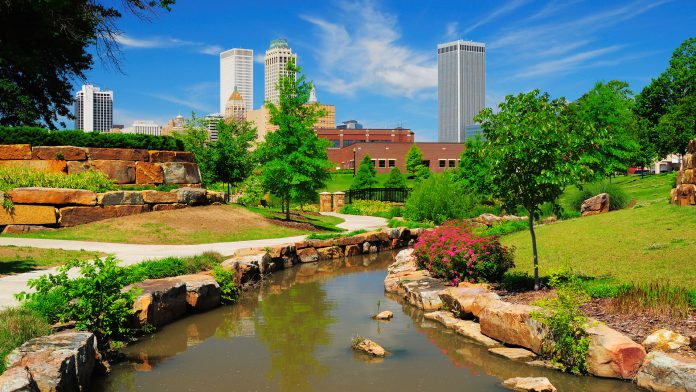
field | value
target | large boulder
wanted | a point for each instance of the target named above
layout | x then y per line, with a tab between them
243	271
667	372
308	255
369	347
118	154
160	301
24	229
460	299
148	173
157	197
63	361
191	196
47	166
29	215
611	353
595	205
18	379
331	252
181	173
121	172
466	328
685	194
202	291
531	384
15	151
513	324
665	340
61	153
73	216
120	198
52	196
424	293
171	156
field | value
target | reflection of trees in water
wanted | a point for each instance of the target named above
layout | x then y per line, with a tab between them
293	324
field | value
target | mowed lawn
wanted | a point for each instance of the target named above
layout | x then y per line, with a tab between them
199	225
650	241
19	259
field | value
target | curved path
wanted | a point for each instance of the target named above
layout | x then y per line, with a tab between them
135	253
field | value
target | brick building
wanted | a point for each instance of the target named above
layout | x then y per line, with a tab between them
341	138
436	156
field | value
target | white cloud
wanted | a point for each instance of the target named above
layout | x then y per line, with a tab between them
498	12
365	54
565	64
166	42
259	58
193	97
452	32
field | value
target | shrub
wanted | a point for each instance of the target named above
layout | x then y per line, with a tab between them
44	137
506	227
229	291
172	266
395	179
17	177
453	252
252	191
618	198
437	199
409	224
384	209
17	325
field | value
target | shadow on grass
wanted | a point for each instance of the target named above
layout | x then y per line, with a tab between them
17	266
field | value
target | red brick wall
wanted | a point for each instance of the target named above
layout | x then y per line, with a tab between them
344	137
382	153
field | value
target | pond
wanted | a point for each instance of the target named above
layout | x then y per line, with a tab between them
293	333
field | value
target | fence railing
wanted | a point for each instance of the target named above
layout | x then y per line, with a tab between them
395	195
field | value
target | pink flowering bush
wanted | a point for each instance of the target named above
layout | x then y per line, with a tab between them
453	252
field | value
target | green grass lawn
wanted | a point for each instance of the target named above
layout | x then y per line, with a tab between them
341	182
650	241
19	259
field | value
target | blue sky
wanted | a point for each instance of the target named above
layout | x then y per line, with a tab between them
377	61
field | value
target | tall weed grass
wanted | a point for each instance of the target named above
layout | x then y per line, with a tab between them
658	298
618	199
17	325
18	177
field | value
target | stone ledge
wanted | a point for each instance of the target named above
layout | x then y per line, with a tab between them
61	153
52	196
15	151
29	215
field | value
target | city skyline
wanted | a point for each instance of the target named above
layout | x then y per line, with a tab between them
560	48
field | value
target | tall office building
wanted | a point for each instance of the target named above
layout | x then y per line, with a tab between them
211	123
94	109
237	70
461	87
277	56
142	127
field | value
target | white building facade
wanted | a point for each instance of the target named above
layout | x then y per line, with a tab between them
277	57
461	88
141	127
94	109
211	124
237	70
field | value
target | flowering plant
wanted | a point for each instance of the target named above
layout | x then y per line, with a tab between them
453	252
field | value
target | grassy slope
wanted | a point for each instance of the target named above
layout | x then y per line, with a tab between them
19	259
653	240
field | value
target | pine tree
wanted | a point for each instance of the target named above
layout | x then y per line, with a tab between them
366	177
414	158
395	179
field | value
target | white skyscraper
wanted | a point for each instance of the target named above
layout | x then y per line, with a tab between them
461	88
277	56
237	70
142	127
94	109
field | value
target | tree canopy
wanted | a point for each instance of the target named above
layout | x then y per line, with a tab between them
366	176
233	158
414	159
395	179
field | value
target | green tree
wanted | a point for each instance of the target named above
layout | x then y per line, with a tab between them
195	138
532	154
366	176
422	173
39	64
473	168
233	157
294	159
395	179
414	159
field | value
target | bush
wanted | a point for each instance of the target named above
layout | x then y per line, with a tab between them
17	177
453	252
409	224
252	191
44	137
618	198
17	325
437	199
172	266
384	209
506	227
229	291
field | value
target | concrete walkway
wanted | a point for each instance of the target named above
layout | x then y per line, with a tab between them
135	253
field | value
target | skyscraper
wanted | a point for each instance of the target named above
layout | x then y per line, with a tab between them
461	87
94	109
235	108
277	56
237	70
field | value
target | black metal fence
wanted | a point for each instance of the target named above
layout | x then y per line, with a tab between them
395	195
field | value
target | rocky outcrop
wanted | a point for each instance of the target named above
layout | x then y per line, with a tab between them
15	151
513	324
120	198
52	196
63	361
73	216
61	153
611	353
665	340
17	379
29	215
368	347
148	173
202	291
667	373
160	301
595	205
181	173
531	384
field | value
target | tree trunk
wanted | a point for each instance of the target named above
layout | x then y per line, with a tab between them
228	191
534	251
287	208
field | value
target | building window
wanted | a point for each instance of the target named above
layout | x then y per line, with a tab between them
382	163
392	162
374	163
426	163
442	162
452	163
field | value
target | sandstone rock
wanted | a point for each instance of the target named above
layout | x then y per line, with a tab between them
472	330
512	324
73	216
118	154
513	353
460	299
369	347
168	207
17	379
333	252
191	196
28	215
444	317
42	166
120	198
667	372
160	301
258	258
424	293
692	342
595	205
483	301
352	250
685	194
244	271
308	255
366	247
487	219
374	249
63	361
689	160
171	156
384	315
52	196
532	384
148	173
215	197
121	172
612	354
181	173
404	261
15	151
23	229
394	283
156	197
692	146
686	176
665	340
202	291
60	153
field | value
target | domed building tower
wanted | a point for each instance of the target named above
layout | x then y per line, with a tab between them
235	108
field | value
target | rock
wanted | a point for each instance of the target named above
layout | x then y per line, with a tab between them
333	252
366	247
73	216
424	293
460	299
181	173
259	258
532	384
404	261
692	342
692	146
156	197
168	207
148	173
686	176
352	250
120	198
308	255
483	301
513	353
665	340
171	156
118	154
384	315
160	301
202	291
374	249
689	160
17	379
595	205
60	153
215	197
667	372
611	353
466	328
394	283
23	229
512	324
121	172
15	151
52	196
63	361
369	347
487	219
29	215
243	271
191	196
685	194
545	363
47	166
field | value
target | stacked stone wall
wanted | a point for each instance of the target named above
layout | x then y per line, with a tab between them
684	193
